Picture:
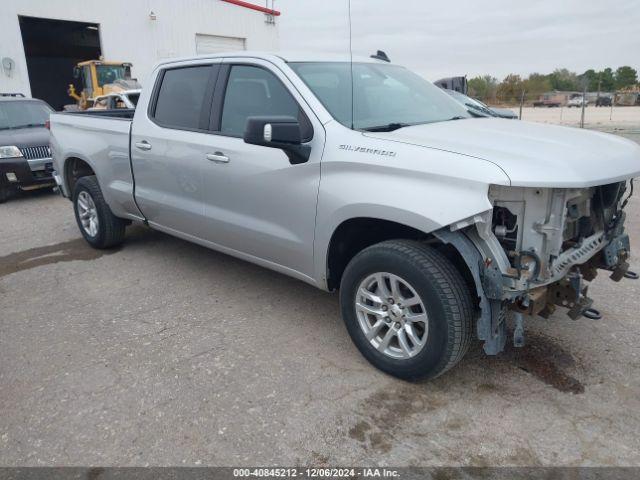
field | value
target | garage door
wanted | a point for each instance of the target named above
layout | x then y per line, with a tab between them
217	44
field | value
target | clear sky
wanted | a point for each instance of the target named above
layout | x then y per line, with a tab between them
473	37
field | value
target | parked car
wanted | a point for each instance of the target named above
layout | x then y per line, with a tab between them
25	156
112	101
577	102
603	101
431	223
546	103
477	107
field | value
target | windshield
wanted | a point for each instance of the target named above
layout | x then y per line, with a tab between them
384	95
23	114
109	73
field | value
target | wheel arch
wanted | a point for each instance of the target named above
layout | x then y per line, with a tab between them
75	167
354	234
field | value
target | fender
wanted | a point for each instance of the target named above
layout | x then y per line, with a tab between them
63	172
107	154
422	188
114	192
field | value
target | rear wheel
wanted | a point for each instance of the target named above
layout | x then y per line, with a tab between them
407	308
98	225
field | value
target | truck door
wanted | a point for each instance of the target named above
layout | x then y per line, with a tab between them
169	143
256	201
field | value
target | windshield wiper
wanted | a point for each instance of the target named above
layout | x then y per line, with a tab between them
28	125
390	127
477	114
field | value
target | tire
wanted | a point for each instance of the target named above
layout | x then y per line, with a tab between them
446	300
109	230
5	191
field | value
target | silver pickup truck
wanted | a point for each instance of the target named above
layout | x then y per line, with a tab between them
364	178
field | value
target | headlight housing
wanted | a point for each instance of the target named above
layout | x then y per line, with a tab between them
10	151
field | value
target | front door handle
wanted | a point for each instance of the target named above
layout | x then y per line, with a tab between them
218	157
143	145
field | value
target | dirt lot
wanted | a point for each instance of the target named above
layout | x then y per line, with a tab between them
604	118
165	353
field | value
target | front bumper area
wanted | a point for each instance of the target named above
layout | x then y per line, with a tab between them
27	174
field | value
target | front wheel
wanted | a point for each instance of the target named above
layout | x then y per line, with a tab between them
407	309
98	225
5	193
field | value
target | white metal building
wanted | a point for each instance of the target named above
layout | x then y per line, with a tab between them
41	40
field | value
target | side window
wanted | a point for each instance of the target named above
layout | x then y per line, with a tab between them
181	96
101	103
86	78
254	91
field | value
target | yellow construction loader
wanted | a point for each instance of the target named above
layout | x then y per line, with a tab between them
98	78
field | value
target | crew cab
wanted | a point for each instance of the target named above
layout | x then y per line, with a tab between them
25	157
434	225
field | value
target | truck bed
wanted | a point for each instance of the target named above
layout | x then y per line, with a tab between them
101	139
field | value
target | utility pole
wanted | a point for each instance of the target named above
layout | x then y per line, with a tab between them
613	100
584	101
521	103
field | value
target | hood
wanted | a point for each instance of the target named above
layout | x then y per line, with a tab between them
531	154
25	137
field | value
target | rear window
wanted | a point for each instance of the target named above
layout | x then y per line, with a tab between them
181	97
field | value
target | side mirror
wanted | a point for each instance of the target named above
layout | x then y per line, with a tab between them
76	72
278	132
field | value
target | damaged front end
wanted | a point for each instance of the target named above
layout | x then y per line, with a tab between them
538	249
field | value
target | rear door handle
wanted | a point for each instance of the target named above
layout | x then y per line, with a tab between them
218	157
143	145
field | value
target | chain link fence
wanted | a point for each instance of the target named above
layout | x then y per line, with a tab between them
614	112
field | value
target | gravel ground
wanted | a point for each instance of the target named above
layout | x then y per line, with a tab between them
165	353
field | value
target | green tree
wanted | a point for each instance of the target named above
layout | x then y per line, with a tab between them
483	87
625	77
510	89
563	79
606	80
536	85
590	78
